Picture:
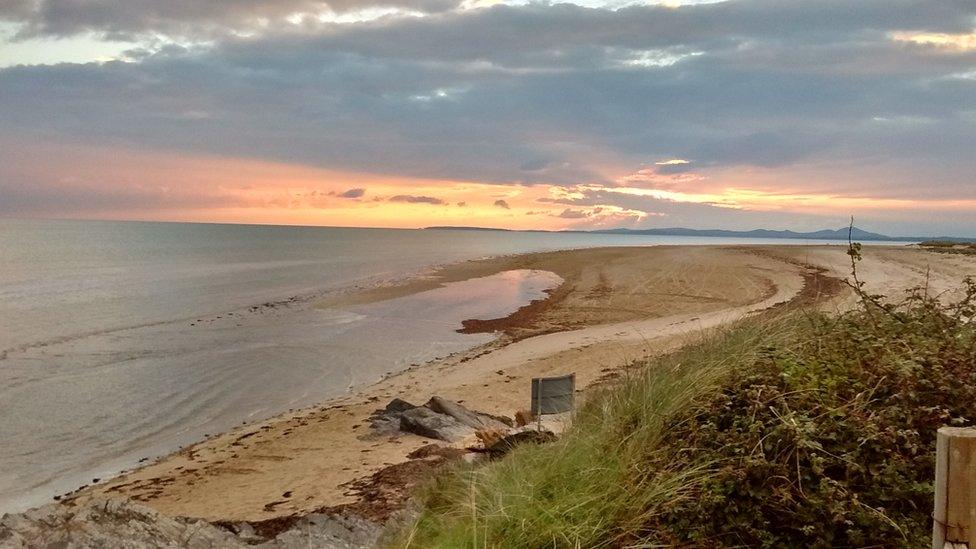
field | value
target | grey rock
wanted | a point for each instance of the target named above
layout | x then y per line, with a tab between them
386	421
123	524
402	416
245	532
397	406
109	523
474	420
333	532
382	425
428	423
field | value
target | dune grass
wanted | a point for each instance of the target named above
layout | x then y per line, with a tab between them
592	488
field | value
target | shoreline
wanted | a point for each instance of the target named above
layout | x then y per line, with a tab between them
153	487
552	334
426	341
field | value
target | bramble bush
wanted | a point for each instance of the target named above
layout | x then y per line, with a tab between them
828	440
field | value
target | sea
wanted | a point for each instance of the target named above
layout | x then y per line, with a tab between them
122	341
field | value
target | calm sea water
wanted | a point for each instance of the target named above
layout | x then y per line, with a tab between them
124	340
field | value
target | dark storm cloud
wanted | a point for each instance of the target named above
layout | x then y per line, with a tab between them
541	93
571	36
533	27
125	19
16	10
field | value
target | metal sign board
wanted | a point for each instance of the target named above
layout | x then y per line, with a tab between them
553	395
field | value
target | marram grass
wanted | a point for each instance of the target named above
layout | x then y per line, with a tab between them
593	487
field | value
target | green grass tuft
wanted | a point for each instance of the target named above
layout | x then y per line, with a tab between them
592	488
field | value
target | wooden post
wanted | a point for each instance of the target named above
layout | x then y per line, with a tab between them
955	489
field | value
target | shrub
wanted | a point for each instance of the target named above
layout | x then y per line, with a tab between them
938	243
828	441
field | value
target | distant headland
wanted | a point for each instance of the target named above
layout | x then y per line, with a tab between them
825	234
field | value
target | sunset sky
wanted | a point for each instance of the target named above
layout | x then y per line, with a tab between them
405	113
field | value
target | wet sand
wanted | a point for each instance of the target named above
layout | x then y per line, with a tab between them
616	305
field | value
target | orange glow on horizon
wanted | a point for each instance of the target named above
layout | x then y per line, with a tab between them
159	186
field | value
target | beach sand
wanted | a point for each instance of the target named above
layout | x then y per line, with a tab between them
617	305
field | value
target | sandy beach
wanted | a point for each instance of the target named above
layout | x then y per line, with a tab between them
616	305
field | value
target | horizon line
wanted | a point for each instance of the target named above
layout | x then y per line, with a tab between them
462	227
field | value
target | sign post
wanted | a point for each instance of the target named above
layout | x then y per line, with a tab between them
553	395
955	489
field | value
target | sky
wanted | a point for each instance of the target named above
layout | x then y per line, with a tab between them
738	114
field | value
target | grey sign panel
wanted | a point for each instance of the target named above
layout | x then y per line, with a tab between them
553	395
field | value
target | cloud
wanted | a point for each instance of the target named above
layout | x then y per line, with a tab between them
821	93
673	166
502	204
353	193
528	28
184	18
410	199
744	101
573	214
461	204
16	9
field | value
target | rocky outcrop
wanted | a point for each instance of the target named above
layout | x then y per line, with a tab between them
427	423
108	523
439	418
333	532
123	524
387	421
475	420
398	405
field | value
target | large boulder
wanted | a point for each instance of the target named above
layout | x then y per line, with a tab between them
386	422
439	418
475	420
427	423
398	406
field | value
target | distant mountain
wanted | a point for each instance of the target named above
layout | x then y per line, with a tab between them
826	234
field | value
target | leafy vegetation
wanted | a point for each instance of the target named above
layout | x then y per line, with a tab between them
800	430
828	441
949	246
